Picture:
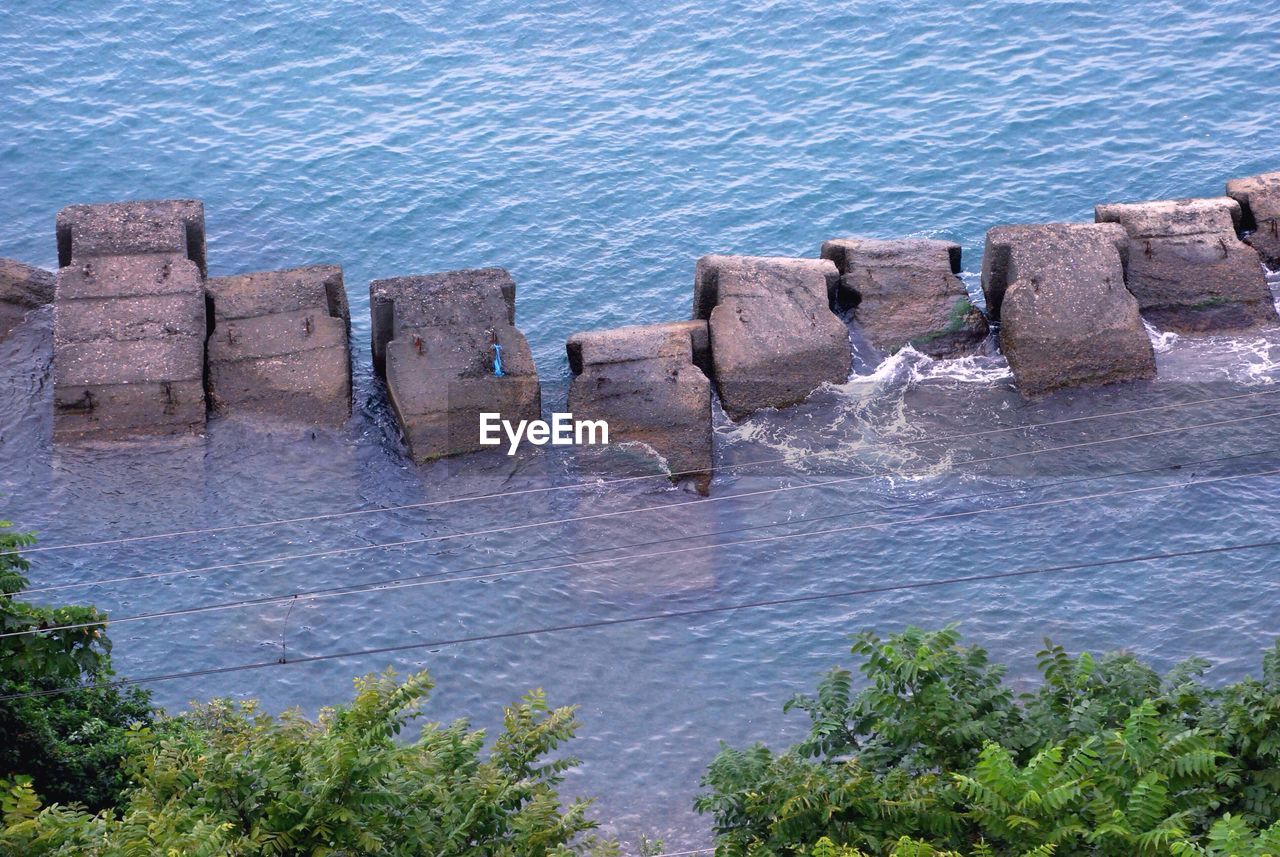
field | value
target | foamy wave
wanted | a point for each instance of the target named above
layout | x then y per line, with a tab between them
1161	340
1252	361
863	419
910	367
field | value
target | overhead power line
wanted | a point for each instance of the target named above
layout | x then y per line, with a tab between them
605	482
293	598
373	585
806	486
651	617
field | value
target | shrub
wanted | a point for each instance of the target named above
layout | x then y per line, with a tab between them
227	778
934	755
70	746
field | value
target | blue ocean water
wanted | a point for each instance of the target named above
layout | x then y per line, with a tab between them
596	150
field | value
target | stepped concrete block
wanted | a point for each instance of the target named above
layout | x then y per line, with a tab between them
432	343
995	256
122	319
1259	199
774	338
1066	318
280	345
906	292
142	227
22	289
1187	267
129	320
646	383
267	292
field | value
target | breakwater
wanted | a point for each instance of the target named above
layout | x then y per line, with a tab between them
146	343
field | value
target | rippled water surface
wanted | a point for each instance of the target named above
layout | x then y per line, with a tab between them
595	150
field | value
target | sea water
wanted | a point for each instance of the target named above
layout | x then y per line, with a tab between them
595	150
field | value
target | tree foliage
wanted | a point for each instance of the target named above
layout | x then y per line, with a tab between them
228	779
935	755
70	746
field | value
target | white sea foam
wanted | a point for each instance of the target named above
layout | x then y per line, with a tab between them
865	419
1161	340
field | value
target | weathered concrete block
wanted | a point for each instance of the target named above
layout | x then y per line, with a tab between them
774	338
995	256
22	288
1066	318
129	319
132	361
905	292
267	292
1187	267
432	343
1259	198
140	227
280	344
114	410
645	382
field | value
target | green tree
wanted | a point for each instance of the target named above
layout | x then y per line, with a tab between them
934	755
228	779
71	746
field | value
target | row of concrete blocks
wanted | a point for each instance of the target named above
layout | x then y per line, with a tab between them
1069	300
141	335
145	342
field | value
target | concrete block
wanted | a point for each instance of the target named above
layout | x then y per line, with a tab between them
645	382
129	319
1259	199
432	343
280	345
774	338
22	288
1187	267
906	292
1066	318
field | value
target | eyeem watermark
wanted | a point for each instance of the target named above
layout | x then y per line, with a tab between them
563	430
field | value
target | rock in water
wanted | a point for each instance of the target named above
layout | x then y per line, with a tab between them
129	319
279	345
645	381
22	288
432	343
1187	267
774	339
1259	198
1066	318
906	292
